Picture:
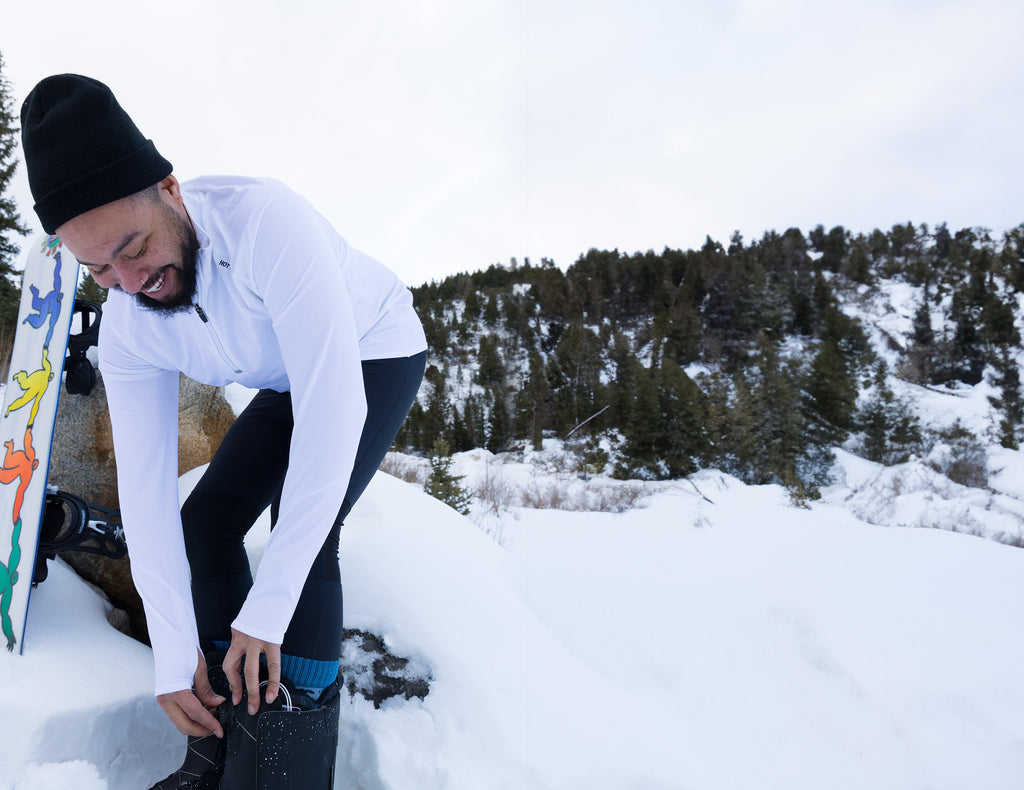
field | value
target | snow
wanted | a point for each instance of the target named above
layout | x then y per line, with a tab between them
714	637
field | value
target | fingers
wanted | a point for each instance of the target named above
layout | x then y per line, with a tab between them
252	678
189	715
273	671
243	645
201	685
205	693
231	665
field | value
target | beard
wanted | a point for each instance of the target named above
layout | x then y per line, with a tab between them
184	271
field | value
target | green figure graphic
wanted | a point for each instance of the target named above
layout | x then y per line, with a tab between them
8	578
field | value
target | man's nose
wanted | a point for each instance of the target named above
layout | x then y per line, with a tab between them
130	278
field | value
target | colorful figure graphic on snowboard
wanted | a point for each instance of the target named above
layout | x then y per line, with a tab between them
8	578
19	465
34	387
47	307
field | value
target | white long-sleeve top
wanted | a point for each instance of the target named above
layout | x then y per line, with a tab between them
282	303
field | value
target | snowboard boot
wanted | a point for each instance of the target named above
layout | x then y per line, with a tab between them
290	744
204	757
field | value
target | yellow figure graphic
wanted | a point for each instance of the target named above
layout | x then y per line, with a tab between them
34	386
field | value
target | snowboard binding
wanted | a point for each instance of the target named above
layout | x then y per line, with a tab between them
80	376
71	524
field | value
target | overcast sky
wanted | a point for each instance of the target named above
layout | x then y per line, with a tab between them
447	135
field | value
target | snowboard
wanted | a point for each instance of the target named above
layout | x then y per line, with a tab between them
27	420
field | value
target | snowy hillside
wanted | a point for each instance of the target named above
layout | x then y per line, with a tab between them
927	491
714	637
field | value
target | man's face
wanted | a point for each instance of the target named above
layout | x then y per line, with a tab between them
142	245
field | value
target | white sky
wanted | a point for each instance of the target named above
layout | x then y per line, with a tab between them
446	135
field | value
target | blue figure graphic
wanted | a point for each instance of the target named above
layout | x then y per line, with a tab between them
46	307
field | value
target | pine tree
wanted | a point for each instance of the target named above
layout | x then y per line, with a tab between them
491	312
858	262
623	386
499	425
442	484
408	438
10	220
473	306
891	431
781	435
967	360
575	370
532	404
644	429
831	394
436	421
921	357
683	440
923	334
491	370
684	331
473	417
1011	400
90	291
461	441
737	439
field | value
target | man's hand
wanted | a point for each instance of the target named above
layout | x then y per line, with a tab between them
249	647
190	711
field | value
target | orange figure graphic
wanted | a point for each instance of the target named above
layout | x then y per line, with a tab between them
34	385
19	465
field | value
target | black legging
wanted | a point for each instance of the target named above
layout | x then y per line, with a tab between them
245	477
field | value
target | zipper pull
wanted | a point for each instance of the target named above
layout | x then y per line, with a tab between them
201	314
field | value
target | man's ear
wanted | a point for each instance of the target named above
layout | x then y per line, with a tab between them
170	189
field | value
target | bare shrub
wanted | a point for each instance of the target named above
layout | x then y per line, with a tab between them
544	497
966	462
589	498
411	470
619	499
494	491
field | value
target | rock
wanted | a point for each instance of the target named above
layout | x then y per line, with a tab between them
82	463
120	620
370	670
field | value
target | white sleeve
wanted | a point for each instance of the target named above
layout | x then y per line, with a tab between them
143	403
297	272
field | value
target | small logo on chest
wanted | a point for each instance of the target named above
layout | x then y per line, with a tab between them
225	264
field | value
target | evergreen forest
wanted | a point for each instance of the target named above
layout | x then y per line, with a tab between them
753	358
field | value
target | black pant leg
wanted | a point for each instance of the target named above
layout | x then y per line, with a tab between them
244	476
391	386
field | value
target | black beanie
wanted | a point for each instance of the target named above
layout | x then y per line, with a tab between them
82	150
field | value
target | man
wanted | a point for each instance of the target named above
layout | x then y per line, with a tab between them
227	280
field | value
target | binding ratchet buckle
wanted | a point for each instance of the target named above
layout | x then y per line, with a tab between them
72	524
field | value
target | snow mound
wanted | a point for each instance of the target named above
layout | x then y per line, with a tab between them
915	494
717	638
60	776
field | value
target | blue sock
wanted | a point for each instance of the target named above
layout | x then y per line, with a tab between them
309	675
305	674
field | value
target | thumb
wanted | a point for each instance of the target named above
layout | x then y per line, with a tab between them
204	691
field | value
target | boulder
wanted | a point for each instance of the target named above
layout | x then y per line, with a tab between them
82	463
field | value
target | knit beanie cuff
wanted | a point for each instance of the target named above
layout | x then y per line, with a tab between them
132	173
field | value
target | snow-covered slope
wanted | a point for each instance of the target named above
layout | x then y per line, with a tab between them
727	640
